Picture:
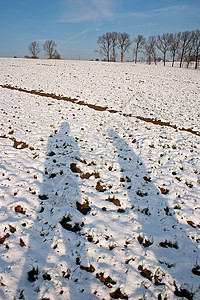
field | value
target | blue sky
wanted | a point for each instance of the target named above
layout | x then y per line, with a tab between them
76	24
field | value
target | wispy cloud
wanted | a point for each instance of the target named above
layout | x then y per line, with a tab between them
164	11
137	14
103	11
73	37
77	11
171	10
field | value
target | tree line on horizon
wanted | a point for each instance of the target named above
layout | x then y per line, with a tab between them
182	45
49	49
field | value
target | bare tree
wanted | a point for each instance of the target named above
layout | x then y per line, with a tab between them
148	53
189	54
185	41
49	48
151	49
105	42
114	39
140	42
34	49
56	55
196	47
163	44
124	43
174	42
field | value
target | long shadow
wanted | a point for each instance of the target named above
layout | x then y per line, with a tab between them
55	260
168	257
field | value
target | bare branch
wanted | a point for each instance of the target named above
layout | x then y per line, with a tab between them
51	52
105	42
196	47
140	43
163	44
151	49
114	38
174	42
185	41
34	49
124	43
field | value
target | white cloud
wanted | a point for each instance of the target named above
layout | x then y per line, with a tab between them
138	14
171	10
73	37
100	11
77	11
164	11
78	34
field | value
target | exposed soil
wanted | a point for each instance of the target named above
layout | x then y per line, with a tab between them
75	169
21	242
89	269
65	224
98	108
183	293
114	201
20	209
106	280
43	197
196	270
167	244
33	275
100	187
2	239
88	175
118	295
145	272
17	145
84	208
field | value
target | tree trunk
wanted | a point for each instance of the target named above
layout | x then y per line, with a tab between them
196	59
108	56
173	57
196	62
136	57
136	53
122	56
181	61
172	62
114	56
189	57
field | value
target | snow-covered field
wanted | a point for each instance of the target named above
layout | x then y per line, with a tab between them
136	234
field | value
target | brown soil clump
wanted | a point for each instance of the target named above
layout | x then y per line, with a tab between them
84	208
98	108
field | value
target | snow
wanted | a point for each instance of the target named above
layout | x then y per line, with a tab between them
141	235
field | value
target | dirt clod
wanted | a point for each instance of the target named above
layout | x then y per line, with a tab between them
118	294
33	274
89	269
2	239
21	242
164	191
106	280
74	228
43	197
84	208
20	209
75	169
100	187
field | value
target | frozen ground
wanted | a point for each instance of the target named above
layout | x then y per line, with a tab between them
137	234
